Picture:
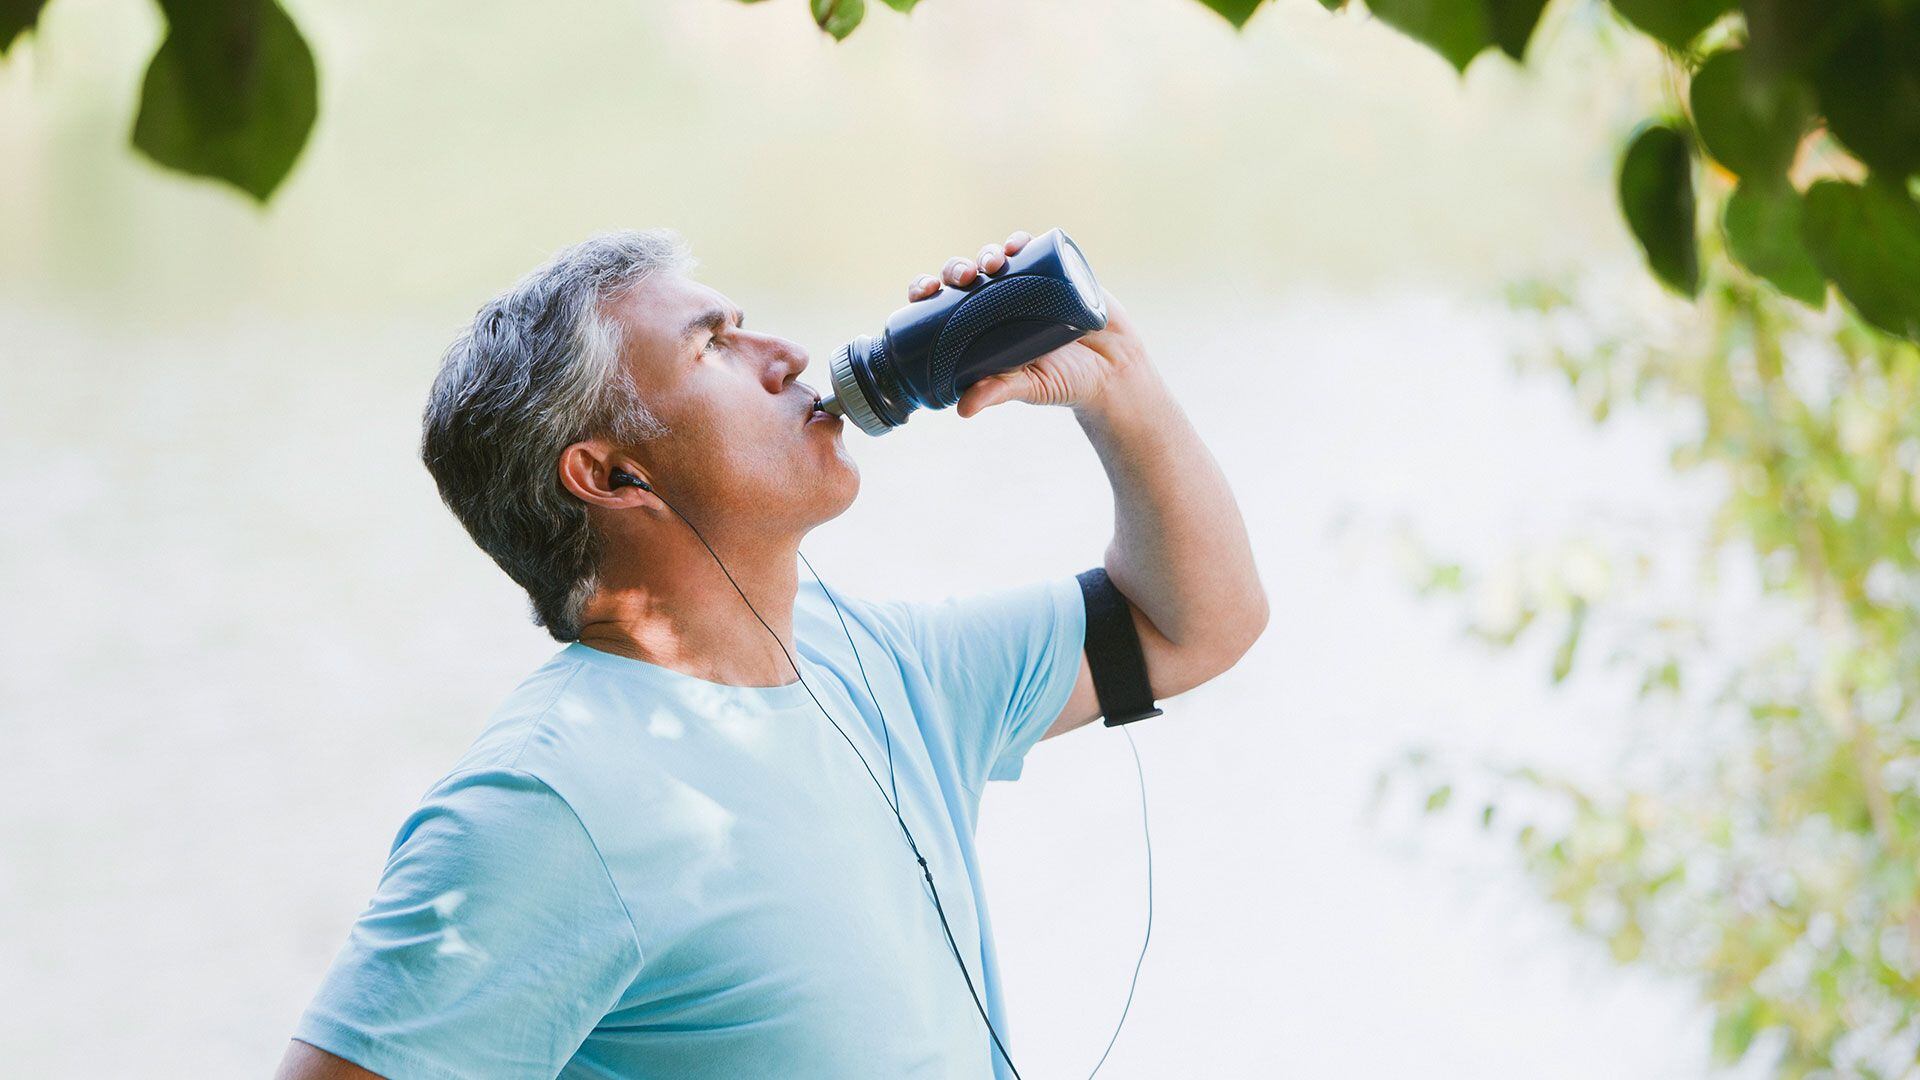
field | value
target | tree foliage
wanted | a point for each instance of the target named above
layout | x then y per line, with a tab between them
1765	843
1784	94
1813	105
1761	838
231	93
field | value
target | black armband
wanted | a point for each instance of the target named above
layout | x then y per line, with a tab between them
1113	652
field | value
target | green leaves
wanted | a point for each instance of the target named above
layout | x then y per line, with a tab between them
1751	125
1656	195
1236	12
1794	36
1460	30
838	17
16	18
1866	238
1870	91
1456	29
1513	24
231	94
1753	107
1570	642
1674	23
1763	225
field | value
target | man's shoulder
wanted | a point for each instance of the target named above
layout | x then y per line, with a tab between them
819	611
527	767
510	730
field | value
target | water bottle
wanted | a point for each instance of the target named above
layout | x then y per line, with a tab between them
936	347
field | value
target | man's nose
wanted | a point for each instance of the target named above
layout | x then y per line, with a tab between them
792	360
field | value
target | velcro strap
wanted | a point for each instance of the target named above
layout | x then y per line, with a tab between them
1113	652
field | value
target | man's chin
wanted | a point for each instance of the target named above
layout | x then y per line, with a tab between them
839	487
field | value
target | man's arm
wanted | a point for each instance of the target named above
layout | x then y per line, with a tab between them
493	945
305	1061
1180	551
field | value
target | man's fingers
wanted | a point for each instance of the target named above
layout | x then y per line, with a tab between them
992	390
958	271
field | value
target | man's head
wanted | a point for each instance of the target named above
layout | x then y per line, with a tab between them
611	357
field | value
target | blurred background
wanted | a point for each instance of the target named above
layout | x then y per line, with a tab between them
242	636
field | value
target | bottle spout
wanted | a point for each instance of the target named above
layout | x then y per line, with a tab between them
831	404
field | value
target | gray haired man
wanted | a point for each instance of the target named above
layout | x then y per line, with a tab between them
658	859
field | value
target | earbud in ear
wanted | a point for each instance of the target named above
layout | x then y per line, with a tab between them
621	478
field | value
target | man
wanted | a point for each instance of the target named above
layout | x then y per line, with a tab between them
660	859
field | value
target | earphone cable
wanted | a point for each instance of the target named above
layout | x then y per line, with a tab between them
892	803
1148	936
885	731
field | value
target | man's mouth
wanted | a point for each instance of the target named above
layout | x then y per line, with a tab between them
815	412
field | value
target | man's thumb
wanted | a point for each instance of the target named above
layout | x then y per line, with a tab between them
993	390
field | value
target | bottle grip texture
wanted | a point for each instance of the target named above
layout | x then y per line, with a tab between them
1027	297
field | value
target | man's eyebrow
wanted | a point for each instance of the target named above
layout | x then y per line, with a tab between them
713	320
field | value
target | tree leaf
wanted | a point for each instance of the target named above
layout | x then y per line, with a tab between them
1763	225
1333	5
1870	92
1513	24
1674	23
1735	1028
1570	643
1749	123
1866	239
231	94
1456	29
1236	12
1797	36
16	18
1656	196
838	17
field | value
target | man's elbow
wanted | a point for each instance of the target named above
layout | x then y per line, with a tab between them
1249	625
1236	632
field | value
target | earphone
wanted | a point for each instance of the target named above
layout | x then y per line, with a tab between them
620	478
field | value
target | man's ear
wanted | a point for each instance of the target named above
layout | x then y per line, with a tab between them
586	470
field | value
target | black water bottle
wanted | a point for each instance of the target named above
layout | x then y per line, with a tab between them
932	349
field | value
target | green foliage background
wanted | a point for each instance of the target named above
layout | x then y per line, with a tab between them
1766	846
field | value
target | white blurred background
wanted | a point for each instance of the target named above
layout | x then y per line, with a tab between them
241	636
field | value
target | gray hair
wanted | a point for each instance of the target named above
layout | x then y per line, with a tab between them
540	369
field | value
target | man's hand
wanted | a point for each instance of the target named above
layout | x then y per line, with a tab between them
1075	374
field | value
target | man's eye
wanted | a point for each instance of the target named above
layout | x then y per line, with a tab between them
711	342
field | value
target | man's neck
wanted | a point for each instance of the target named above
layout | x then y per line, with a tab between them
677	609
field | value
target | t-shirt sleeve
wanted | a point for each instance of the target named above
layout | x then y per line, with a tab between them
1004	662
493	945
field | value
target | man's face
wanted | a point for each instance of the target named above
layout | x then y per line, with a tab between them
745	444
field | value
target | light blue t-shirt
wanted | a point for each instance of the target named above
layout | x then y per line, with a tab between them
635	873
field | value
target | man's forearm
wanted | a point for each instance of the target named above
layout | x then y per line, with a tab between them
1180	550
